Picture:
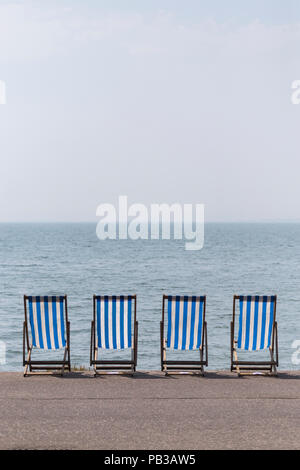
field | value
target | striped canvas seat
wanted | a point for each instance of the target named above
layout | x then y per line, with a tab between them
114	327
114	322
46	327
47	322
256	319
185	321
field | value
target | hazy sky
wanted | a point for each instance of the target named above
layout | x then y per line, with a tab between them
162	101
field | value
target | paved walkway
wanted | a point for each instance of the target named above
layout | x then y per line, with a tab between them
149	411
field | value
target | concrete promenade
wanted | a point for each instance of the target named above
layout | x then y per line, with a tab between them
149	411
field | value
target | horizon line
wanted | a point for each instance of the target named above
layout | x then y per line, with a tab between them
262	221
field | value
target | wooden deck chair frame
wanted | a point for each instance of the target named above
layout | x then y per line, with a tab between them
254	367
179	367
102	367
32	367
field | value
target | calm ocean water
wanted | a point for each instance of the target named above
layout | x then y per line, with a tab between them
68	258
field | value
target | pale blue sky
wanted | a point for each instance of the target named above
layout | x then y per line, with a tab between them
162	101
268	11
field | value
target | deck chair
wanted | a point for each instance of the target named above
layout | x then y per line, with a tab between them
114	327
257	331
49	330
186	330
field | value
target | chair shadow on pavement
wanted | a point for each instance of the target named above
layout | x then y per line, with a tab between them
154	375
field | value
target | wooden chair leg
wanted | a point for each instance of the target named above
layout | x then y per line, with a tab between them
206	345
201	359
236	359
273	370
132	360
69	352
65	357
95	359
136	345
164	356
161	346
27	362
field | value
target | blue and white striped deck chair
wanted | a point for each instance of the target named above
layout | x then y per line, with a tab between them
115	328
46	327
256	331
183	318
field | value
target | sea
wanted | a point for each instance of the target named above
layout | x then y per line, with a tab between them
68	258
